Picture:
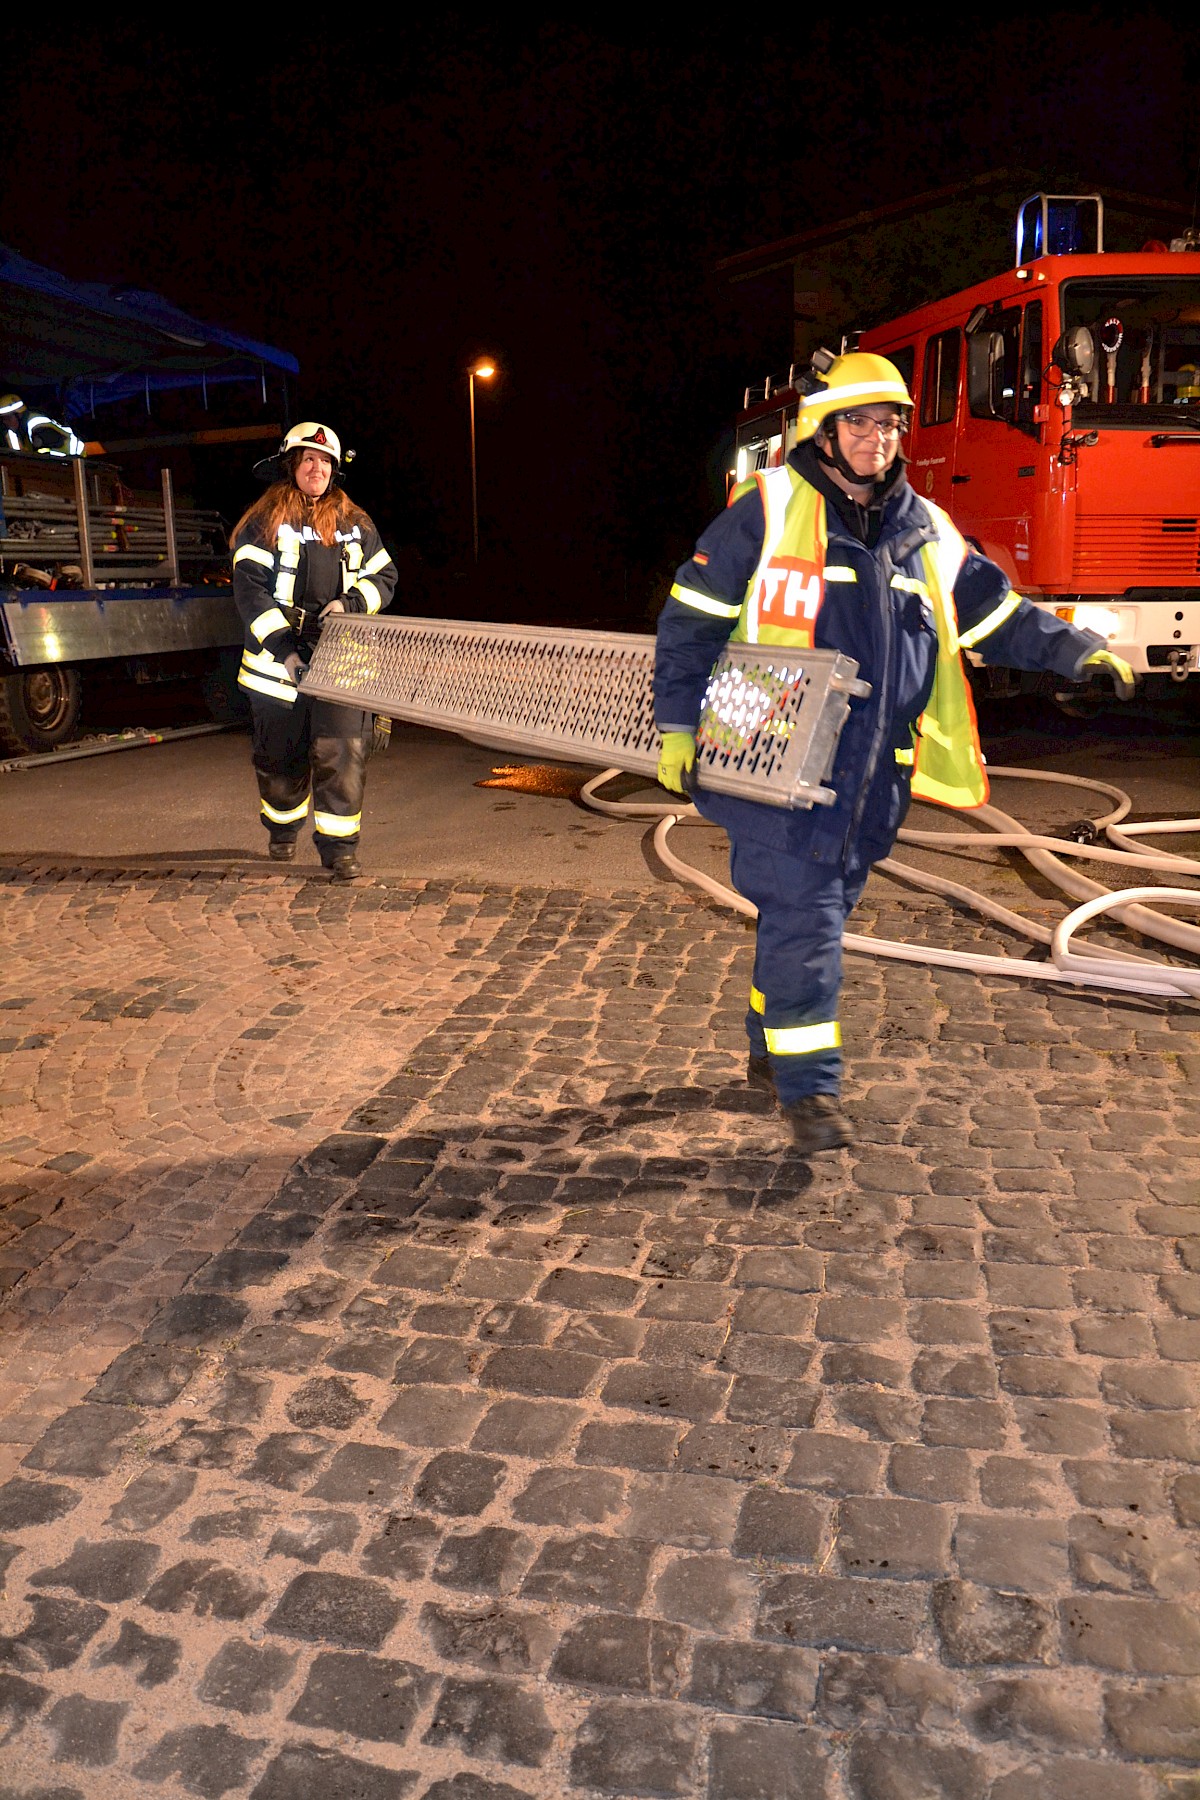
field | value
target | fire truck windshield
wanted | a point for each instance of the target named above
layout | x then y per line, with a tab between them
1147	335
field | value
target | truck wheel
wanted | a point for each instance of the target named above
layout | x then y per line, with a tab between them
39	708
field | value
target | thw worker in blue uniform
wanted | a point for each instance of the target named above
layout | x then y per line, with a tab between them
835	550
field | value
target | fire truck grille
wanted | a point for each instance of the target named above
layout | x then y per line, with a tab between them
1128	550
769	731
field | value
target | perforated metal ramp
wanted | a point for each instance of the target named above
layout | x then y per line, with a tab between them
770	725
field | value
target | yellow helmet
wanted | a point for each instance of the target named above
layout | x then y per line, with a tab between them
859	378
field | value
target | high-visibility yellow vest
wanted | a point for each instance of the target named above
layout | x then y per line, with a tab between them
787	590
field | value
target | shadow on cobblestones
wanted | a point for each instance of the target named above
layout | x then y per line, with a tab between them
548	1427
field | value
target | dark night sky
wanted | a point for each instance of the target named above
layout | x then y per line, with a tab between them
387	203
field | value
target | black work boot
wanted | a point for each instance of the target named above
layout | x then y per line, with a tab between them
758	1072
345	867
817	1123
282	849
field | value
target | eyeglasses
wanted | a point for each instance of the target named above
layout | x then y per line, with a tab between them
862	425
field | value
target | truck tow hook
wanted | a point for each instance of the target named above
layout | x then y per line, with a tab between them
1177	662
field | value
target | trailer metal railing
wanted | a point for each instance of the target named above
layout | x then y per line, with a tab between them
769	729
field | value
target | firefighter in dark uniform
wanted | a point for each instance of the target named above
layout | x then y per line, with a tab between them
301	553
834	550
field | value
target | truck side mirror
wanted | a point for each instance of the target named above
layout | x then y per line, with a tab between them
1075	351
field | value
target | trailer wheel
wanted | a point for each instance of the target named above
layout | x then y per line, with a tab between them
39	708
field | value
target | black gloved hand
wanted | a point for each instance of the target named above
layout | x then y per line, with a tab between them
296	666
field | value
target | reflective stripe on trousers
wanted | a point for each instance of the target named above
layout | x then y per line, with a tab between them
793	1016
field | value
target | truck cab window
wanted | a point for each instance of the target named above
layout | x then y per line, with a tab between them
905	360
939	385
1029	394
1147	335
993	365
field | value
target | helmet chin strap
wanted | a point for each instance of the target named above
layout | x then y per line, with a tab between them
833	458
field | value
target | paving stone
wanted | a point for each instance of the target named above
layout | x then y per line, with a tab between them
207	1588
404	1548
197	1319
278	1347
493	1637
1016	1481
638	1656
240	1399
981	1625
855	1363
782	1527
710	1592
693	1511
87	1440
245	1677
911	1695
154	1658
492	1717
1074	1778
307	1537
754	1353
372	1698
1129	1555
924	1473
439	1360
884	1765
474	1787
196	1448
325	1404
491	1560
367	1474
1157	1723
302	1771
890	1417
842	1613
442	1417
1037	1710
626	1747
905	1539
590	1570
207	1760
287	1459
568	1497
107	1571
835	1465
20	1701
150	1498
24	1503
1141	1637
774	1680
966	1424
86	1731
529	1428
146	1375
347	1610
55	1636
459	1483
639	1444
242	1522
1008	1551
750	1760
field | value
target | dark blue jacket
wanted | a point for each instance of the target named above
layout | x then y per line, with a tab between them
888	631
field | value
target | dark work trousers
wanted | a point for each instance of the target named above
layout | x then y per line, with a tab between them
802	909
311	745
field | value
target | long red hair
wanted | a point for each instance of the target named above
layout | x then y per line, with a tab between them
284	504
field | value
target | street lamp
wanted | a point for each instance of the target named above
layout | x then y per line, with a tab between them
480	371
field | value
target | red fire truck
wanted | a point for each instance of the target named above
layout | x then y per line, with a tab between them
1057	420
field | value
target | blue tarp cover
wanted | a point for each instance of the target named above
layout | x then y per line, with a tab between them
82	344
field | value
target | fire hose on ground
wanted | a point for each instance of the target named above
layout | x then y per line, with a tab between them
770	729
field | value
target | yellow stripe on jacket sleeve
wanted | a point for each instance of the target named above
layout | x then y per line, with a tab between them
252	553
704	603
266	623
370	594
996	618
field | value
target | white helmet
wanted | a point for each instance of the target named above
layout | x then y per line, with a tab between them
308	435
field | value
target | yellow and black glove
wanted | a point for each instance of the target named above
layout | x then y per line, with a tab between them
677	760
1121	673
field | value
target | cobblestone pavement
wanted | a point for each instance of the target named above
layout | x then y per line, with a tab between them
430	1374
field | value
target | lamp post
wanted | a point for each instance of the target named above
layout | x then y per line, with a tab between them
480	371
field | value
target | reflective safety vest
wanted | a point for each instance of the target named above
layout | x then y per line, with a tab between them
261	672
787	590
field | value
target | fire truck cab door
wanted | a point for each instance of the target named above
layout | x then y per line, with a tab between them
999	463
